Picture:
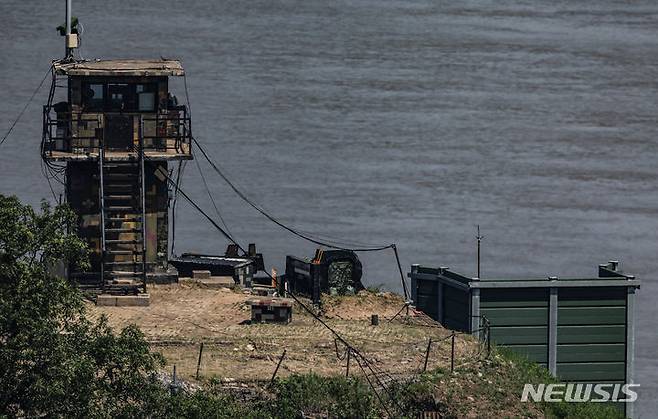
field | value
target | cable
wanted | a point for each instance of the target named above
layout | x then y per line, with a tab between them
381	401
335	240
20	115
49	169
205	184
340	357
297	232
181	169
187	97
277	222
81	31
201	211
50	185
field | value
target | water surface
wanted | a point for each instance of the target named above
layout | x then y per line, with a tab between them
399	121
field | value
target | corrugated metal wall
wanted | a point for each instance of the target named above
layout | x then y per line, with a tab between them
518	320
456	314
591	336
427	297
453	310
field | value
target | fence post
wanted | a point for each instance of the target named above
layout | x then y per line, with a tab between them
277	367
349	355
374	320
452	353
173	387
488	338
427	354
198	363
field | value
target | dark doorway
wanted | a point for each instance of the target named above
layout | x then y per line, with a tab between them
118	132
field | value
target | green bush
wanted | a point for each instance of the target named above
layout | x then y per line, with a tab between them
203	404
334	396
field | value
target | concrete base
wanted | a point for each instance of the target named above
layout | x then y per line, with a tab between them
168	277
108	300
264	291
201	275
265	310
212	282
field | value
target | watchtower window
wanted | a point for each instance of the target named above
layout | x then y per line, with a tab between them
146	97
120	97
94	97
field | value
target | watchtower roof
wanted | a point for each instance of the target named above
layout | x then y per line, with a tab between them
129	67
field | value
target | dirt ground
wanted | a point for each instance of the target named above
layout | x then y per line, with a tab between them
180	317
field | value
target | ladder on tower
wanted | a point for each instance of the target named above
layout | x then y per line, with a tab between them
123	264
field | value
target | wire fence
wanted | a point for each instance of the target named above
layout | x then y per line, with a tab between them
261	363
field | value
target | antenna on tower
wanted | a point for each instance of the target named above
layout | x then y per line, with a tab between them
71	39
479	239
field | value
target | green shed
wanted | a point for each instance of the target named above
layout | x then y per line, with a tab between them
581	329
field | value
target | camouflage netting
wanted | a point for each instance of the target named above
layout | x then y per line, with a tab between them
339	276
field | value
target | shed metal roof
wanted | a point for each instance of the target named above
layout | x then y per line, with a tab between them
609	276
128	67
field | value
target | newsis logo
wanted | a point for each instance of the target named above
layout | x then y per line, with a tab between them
579	392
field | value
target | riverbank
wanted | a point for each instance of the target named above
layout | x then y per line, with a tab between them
238	359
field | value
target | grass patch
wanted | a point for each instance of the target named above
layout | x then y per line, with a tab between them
525	371
375	289
478	387
484	388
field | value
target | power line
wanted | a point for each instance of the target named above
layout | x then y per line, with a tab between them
282	225
298	233
205	184
20	115
176	185
181	169
276	221
336	240
187	96
332	244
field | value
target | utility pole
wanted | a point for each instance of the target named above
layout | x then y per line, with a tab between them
479	239
70	39
68	53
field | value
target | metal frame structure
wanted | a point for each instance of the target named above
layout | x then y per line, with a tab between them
167	127
142	193
101	191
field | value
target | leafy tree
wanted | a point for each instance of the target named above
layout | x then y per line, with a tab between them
53	360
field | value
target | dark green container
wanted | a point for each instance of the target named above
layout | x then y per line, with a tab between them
581	329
